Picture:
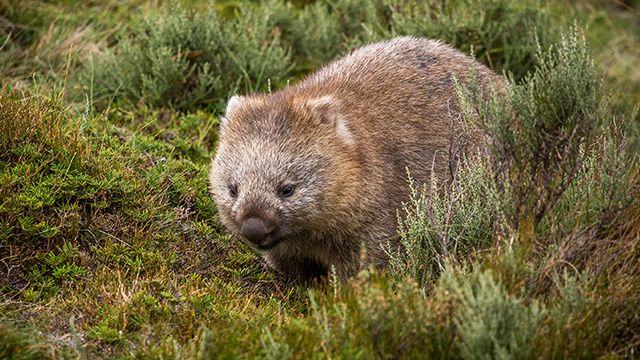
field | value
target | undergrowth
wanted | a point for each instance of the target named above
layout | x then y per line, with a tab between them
186	59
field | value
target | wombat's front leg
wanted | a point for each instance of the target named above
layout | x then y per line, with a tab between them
304	268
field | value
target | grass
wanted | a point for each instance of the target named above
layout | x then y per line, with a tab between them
110	245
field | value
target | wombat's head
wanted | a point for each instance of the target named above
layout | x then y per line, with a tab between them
283	169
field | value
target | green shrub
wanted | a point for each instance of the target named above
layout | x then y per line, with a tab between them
445	222
369	318
604	183
491	323
539	129
503	34
184	59
324	30
315	35
21	345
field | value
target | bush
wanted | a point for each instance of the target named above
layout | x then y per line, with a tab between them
183	60
604	183
324	30
25	345
539	133
315	35
490	322
541	130
445	222
503	34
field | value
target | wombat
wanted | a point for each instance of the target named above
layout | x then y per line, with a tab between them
312	176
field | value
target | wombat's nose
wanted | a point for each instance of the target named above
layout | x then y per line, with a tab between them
254	230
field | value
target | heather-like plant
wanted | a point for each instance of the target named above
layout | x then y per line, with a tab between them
501	33
540	140
604	183
491	323
184	59
445	221
324	30
540	131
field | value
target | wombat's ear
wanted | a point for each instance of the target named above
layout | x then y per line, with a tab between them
326	111
233	104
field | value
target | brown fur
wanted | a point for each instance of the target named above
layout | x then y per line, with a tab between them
346	137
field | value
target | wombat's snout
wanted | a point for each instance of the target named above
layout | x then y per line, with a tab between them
259	232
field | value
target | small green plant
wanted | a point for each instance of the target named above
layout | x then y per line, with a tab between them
24	345
324	30
105	333
57	268
492	323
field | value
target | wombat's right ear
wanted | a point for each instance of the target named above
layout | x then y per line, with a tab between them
326	111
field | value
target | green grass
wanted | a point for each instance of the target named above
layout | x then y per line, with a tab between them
109	241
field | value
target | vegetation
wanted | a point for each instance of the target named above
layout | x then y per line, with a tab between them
110	244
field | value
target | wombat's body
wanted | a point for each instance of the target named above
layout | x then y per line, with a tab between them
313	175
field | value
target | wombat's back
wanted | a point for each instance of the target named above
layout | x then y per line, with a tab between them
400	104
400	100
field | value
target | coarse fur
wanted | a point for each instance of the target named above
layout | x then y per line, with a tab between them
344	138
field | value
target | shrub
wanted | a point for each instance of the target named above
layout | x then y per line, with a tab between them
369	318
540	130
315	35
604	183
183	59
323	30
501	33
490	322
445	222
25	345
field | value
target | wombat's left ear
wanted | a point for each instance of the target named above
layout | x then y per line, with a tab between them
232	105
326	111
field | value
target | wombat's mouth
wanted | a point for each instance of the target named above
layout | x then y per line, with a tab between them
269	242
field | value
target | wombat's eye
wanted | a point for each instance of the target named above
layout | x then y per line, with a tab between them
233	190
286	190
